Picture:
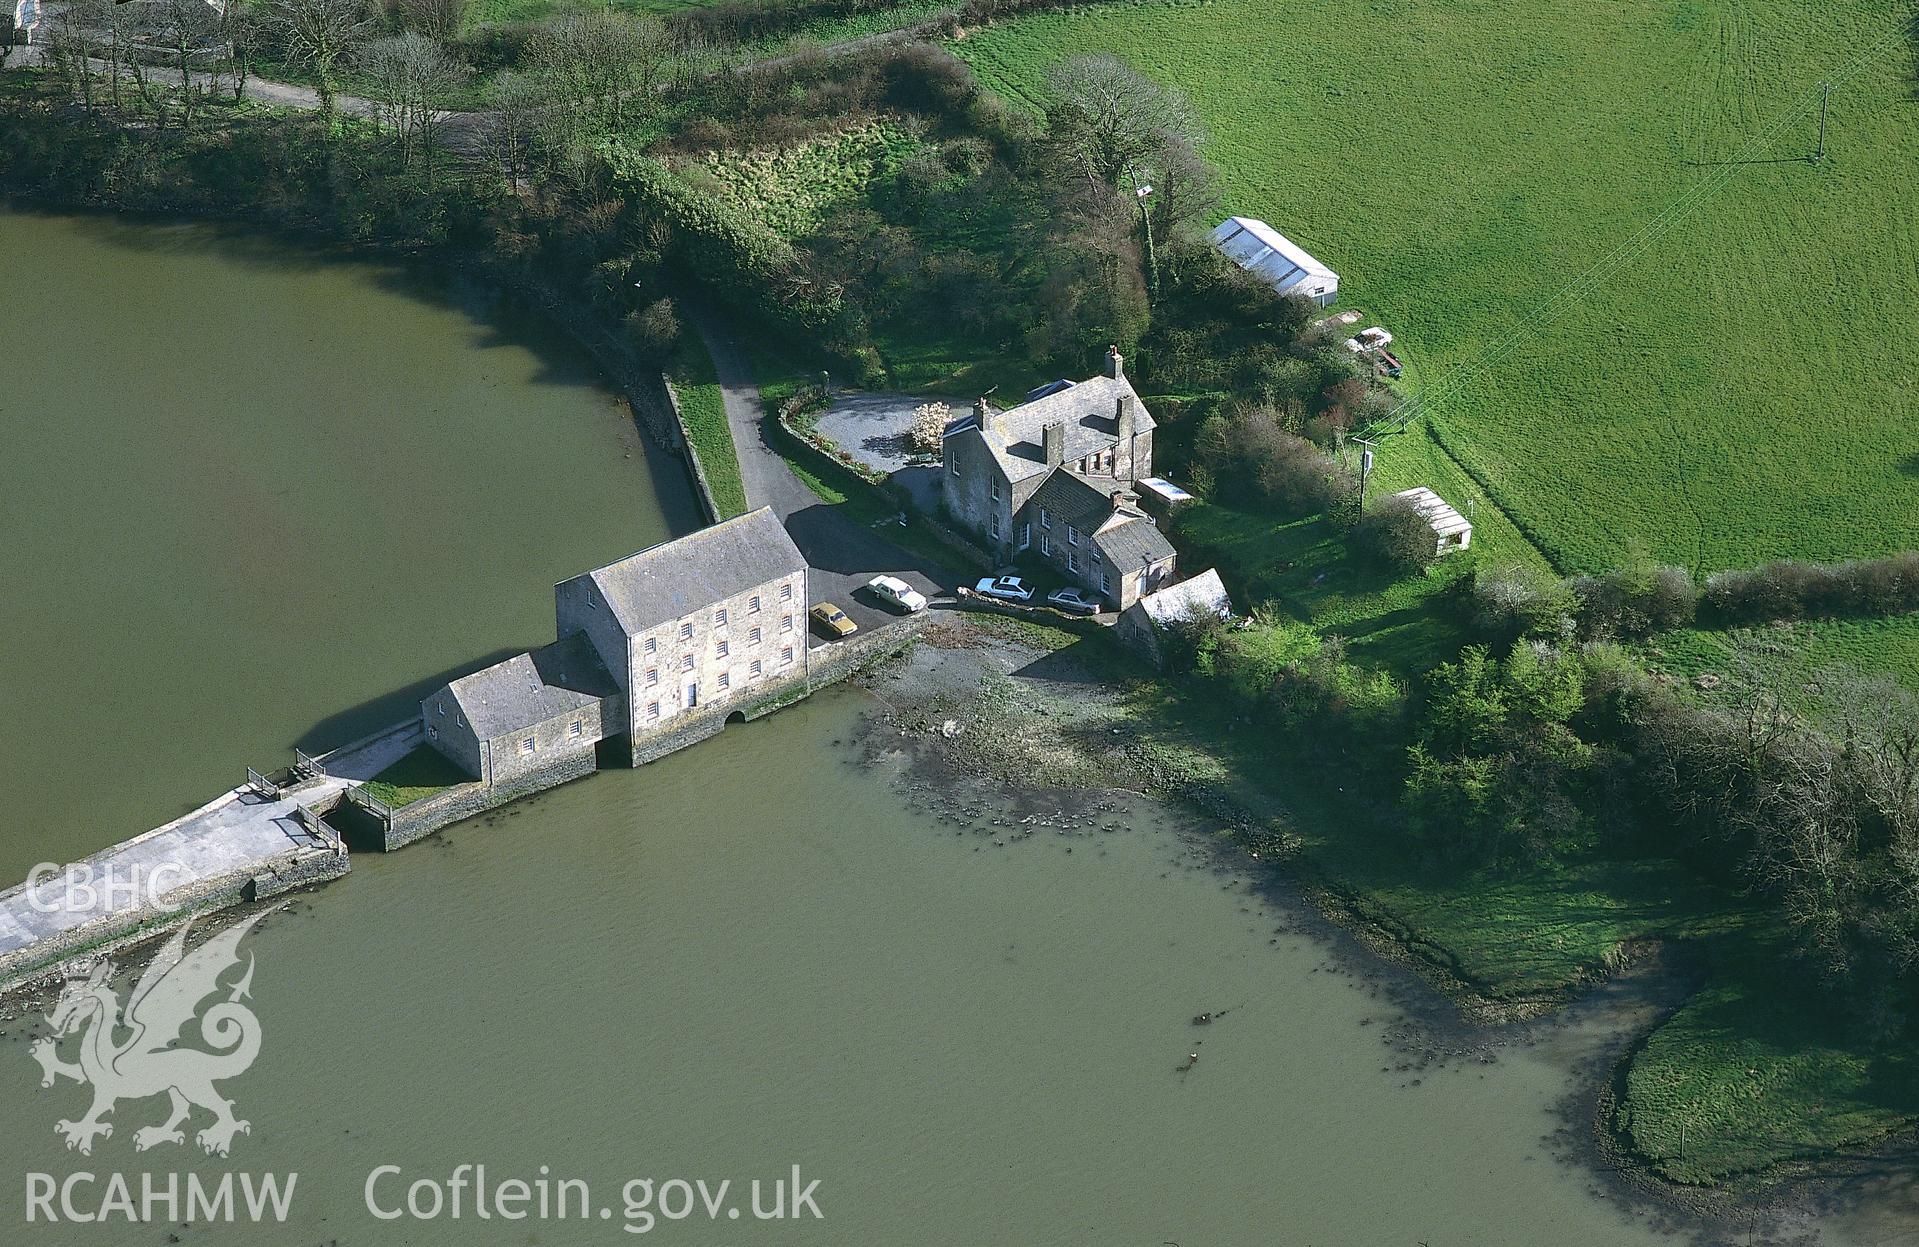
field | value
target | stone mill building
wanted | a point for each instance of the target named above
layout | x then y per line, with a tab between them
655	651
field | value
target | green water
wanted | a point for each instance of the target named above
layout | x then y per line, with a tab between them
245	492
764	952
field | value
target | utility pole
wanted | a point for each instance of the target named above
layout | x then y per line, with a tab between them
1365	467
1825	100
1141	193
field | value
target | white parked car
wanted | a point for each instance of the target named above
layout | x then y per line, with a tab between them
1005	588
1073	600
896	592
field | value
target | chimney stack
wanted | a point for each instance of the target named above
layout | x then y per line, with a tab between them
1053	438
1123	434
1115	363
982	414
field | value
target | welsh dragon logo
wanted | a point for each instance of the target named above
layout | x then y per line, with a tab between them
149	1061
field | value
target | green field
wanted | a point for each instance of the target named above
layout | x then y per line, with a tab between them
1741	390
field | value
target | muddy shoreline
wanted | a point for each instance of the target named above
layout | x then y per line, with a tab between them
978	705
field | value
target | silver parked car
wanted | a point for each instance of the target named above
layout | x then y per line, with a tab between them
1005	588
1074	601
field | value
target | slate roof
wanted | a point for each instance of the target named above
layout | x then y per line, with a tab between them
679	577
1069	499
1126	537
526	689
1089	409
1204	593
1132	542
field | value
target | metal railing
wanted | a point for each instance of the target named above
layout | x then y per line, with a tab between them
317	828
371	804
263	785
306	766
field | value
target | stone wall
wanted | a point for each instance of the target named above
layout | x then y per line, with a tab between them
553	742
967	476
1079	625
577	608
689	729
834	662
299	868
444	724
702	487
442	809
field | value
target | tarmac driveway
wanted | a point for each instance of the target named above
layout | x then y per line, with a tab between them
844	555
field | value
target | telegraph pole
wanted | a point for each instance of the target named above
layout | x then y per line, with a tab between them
1140	192
1825	100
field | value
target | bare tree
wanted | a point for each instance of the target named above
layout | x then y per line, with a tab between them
1119	127
240	29
436	19
188	28
596	64
319	34
73	41
516	101
1110	120
409	73
8	32
1878	722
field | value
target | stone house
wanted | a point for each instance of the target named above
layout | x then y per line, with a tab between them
533	712
693	629
1081	445
1101	542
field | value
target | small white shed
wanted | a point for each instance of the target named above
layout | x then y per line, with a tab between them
1266	253
1159	496
1451	530
1139	624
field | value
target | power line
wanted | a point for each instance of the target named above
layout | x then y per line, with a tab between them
1609	265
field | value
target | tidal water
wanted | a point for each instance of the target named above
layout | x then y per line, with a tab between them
248	493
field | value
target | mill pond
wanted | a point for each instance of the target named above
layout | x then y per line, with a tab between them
785	947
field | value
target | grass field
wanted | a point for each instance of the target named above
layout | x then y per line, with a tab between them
1742	390
1302	567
